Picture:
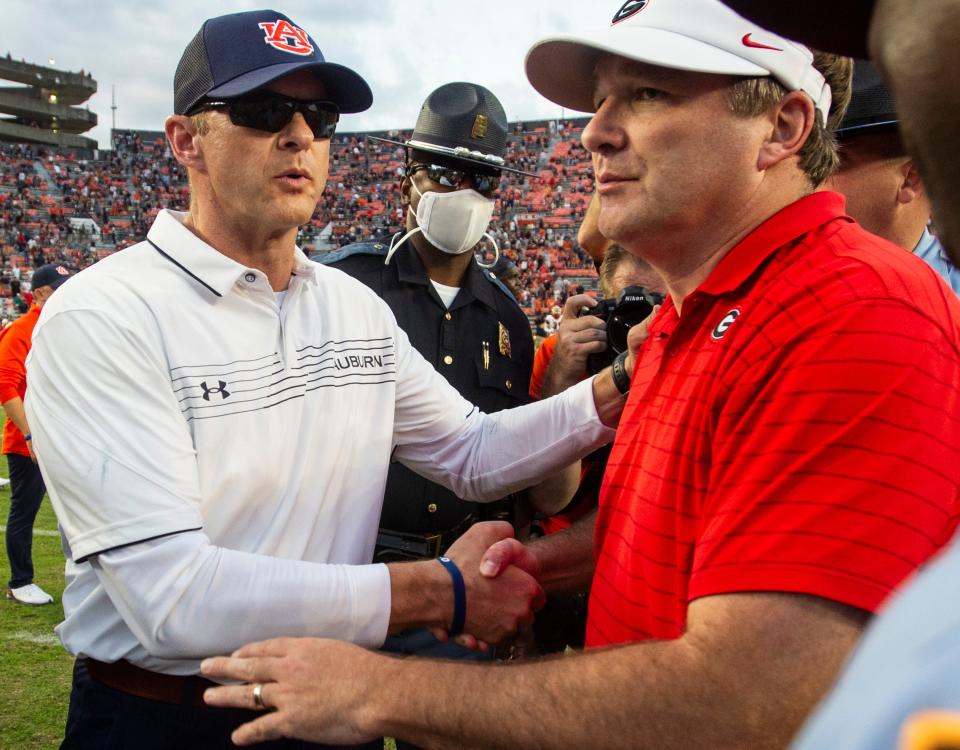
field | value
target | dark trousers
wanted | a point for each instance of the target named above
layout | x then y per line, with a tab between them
101	718
26	493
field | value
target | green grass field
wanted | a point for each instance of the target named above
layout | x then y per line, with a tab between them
34	668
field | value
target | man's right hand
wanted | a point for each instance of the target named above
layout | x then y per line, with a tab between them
577	338
496	606
422	592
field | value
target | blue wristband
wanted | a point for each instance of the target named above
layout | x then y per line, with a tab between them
459	595
28	437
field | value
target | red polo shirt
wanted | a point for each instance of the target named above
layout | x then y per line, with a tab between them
796	429
14	347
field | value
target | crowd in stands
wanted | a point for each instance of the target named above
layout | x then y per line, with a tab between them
58	205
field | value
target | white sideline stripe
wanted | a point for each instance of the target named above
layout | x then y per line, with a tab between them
26	635
36	532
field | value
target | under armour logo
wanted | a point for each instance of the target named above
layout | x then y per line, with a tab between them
221	389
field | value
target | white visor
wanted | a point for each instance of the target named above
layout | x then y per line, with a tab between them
703	36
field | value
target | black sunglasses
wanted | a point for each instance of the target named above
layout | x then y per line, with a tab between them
484	183
273	112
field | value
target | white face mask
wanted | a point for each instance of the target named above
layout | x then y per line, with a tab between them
452	222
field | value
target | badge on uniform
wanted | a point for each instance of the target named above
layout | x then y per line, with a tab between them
504	341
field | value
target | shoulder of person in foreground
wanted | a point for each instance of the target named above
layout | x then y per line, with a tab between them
354	254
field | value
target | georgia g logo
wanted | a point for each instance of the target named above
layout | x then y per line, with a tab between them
628	9
286	37
725	324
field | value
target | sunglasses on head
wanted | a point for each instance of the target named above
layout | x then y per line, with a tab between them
273	112
485	184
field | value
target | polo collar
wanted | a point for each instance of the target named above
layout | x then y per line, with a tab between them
203	262
410	270
783	227
926	243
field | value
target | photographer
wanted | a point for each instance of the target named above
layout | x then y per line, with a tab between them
578	348
562	359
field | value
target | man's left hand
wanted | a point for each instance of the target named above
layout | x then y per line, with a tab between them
312	689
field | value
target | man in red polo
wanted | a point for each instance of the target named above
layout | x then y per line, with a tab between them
26	483
787	454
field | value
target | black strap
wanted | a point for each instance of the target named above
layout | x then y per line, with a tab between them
620	378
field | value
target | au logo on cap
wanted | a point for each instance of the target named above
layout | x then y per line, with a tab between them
479	127
628	9
286	37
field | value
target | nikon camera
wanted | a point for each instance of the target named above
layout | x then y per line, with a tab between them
632	306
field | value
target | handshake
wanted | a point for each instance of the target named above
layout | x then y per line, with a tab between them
500	586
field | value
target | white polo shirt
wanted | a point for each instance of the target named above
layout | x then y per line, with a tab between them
169	392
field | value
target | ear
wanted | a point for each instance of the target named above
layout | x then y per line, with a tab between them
405	191
911	186
792	121
41	294
185	142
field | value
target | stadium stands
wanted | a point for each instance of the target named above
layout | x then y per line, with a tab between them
81	206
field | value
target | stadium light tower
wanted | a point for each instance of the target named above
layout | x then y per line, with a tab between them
113	107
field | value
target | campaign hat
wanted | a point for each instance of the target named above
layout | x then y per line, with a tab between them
464	124
872	107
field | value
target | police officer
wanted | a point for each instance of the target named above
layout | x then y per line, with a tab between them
458	315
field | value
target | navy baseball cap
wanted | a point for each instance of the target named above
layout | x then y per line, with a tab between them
235	54
51	275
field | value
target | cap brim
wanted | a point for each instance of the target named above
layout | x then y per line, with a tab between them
345	87
838	26
420	146
863	127
561	68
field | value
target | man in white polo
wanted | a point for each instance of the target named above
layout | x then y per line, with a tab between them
215	415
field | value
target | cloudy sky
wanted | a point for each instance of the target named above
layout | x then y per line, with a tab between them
404	49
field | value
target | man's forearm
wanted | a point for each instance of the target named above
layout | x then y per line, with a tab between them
207	609
714	687
558	377
491	455
14	409
745	674
609	401
555	492
565	559
660	695
421	594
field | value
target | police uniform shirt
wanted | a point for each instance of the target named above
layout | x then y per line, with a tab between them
482	345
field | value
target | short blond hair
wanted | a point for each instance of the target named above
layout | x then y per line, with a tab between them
818	156
201	121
